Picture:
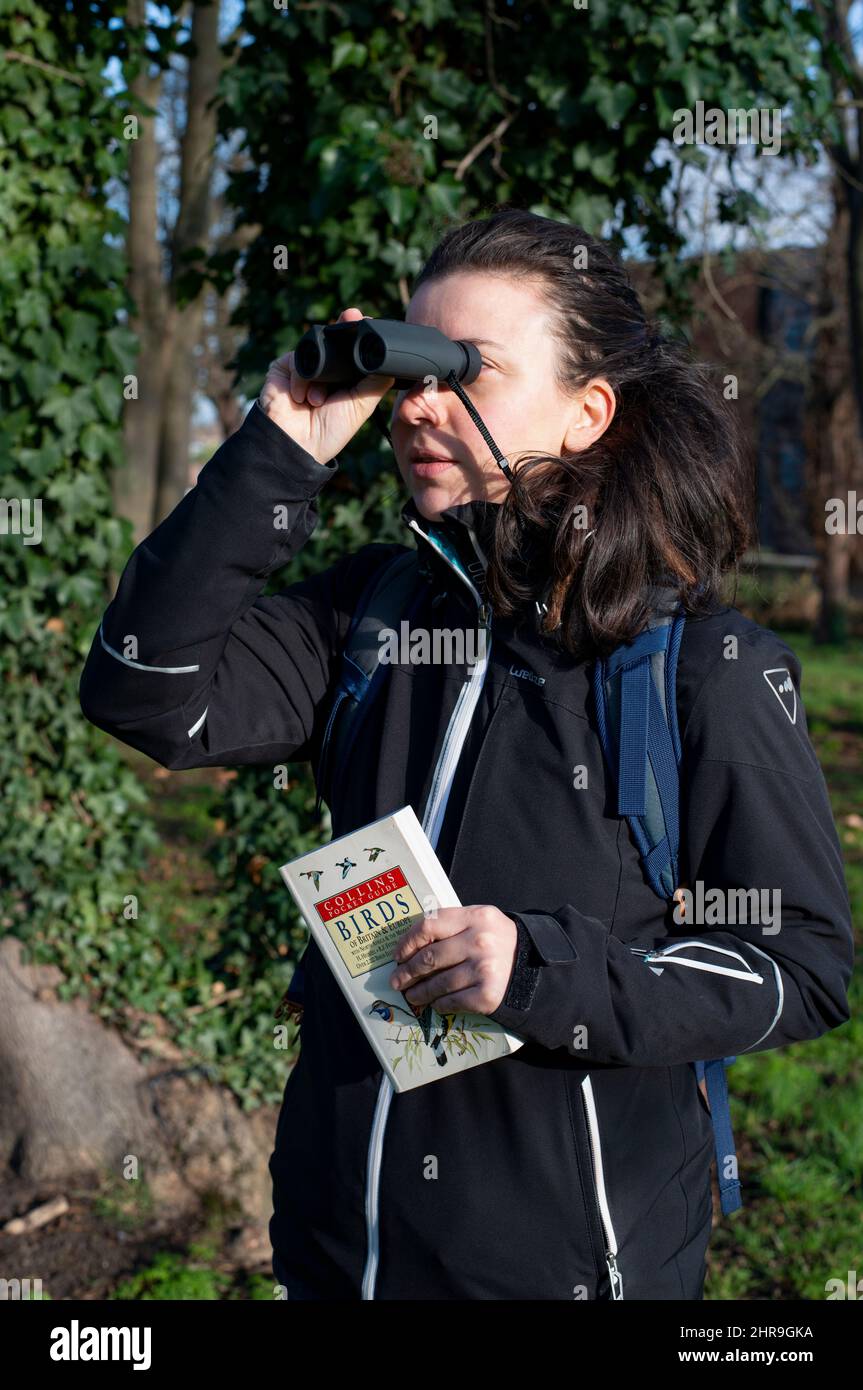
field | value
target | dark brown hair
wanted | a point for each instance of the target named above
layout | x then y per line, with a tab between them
667	490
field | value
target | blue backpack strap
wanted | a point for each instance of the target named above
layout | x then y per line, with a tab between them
391	595
717	1096
635	696
634	691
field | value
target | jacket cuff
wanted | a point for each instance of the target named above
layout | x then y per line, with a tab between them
282	447
525	970
542	943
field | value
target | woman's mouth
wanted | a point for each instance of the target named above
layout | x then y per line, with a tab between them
429	468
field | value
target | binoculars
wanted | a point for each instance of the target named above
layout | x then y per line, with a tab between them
343	353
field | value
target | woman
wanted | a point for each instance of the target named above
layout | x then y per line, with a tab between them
579	1166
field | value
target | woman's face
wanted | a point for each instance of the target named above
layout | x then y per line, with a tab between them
515	393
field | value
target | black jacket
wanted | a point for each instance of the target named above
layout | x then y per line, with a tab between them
578	1167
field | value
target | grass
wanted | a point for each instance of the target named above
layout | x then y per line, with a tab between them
126	1205
193	1276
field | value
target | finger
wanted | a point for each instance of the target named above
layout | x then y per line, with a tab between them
371	385
441	986
440	955
298	387
446	922
463	1001
280	367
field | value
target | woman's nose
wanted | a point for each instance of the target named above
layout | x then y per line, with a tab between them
426	394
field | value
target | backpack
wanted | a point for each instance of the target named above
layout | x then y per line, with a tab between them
635	697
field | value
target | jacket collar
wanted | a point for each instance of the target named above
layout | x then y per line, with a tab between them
458	542
455	543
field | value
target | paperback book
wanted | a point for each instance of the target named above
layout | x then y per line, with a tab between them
359	895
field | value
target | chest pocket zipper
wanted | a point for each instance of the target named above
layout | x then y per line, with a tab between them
600	1193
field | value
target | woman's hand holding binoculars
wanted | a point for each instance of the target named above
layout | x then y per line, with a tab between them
320	423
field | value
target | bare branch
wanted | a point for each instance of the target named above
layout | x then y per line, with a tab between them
461	166
12	57
324	5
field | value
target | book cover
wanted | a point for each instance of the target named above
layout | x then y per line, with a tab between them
359	895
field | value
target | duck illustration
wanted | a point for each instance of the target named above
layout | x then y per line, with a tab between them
373	852
314	874
345	865
425	1019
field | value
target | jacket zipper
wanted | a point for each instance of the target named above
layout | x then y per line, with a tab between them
432	821
599	1189
749	975
451	750
668	958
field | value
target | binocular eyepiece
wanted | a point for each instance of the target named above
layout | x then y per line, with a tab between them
345	352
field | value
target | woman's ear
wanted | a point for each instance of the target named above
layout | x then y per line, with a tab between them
591	414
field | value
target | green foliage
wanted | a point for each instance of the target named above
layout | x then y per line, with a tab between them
79	840
124	1203
75	821
181	1278
78	836
351	176
192	1276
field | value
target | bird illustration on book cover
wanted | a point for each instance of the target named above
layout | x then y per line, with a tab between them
429	1021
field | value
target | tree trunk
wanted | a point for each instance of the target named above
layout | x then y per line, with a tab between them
220	387
101	1099
191	232
853	196
835	436
134	485
230	413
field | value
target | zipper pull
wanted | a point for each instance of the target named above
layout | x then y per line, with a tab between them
485	614
616	1278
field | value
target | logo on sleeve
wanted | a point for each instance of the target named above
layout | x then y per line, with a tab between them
780	682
